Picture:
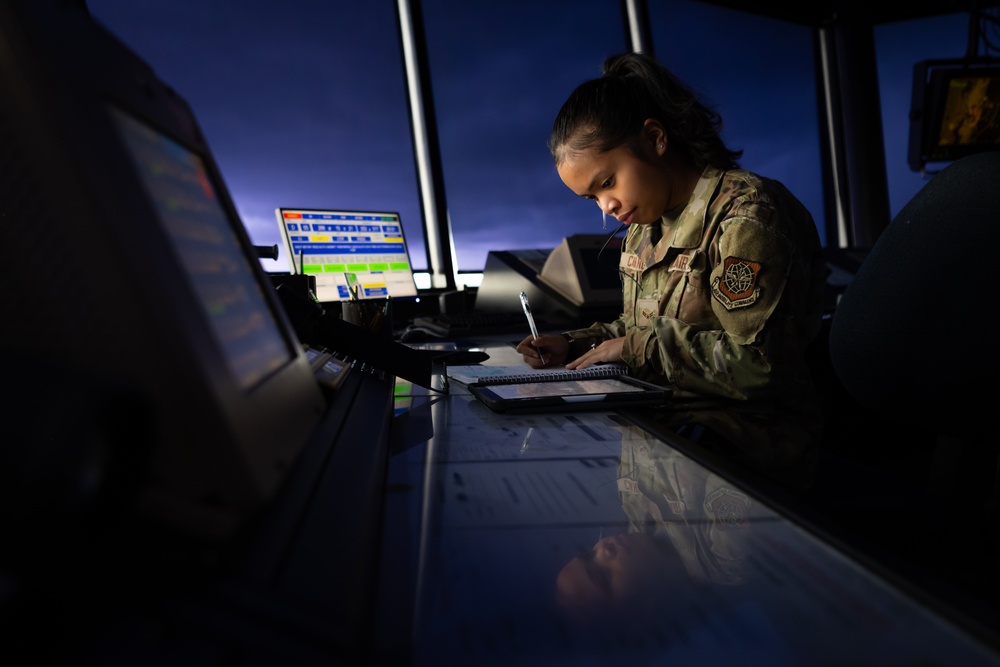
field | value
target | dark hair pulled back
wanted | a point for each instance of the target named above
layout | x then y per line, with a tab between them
609	111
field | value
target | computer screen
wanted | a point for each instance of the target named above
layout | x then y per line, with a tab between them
343	248
230	297
131	263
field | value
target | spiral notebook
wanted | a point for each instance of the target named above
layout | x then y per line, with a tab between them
468	374
603	387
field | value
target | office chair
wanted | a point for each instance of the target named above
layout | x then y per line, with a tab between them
915	337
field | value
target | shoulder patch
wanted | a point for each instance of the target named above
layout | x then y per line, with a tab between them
737	286
731	508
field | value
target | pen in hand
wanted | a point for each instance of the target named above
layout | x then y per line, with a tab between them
531	323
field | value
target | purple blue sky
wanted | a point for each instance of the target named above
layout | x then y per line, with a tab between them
304	102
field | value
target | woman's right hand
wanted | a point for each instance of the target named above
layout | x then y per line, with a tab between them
546	350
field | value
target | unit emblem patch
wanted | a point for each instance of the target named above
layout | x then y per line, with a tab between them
737	286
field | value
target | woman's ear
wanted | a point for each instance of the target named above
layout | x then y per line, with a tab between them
654	136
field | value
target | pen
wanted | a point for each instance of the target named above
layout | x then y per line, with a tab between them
531	321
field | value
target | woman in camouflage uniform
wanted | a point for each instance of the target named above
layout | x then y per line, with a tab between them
722	271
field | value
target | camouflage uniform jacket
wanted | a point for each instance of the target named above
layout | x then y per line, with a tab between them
705	519
720	302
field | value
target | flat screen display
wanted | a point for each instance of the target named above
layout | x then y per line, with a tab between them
346	248
971	112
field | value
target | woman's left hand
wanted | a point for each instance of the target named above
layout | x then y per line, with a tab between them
609	350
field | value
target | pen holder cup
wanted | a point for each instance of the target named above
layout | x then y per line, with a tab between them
373	315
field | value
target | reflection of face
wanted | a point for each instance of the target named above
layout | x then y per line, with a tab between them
622	570
631	189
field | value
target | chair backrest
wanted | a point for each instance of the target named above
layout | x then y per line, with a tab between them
916	335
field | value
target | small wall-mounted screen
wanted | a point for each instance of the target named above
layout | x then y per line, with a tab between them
955	110
971	111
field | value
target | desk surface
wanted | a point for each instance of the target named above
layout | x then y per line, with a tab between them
485	511
451	535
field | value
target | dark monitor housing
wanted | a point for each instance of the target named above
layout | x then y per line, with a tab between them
572	285
955	110
584	269
125	259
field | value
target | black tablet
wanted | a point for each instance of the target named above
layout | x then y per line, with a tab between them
561	395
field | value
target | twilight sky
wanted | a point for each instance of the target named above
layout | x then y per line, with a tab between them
304	103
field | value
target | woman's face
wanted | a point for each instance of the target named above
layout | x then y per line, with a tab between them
636	191
618	571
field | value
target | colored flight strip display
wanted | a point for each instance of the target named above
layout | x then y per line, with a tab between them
369	246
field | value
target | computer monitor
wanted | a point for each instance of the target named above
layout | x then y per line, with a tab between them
342	248
126	257
955	110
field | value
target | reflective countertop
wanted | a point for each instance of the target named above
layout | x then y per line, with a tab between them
584	538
